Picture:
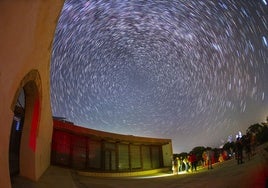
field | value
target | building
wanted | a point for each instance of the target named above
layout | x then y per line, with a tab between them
27	33
91	150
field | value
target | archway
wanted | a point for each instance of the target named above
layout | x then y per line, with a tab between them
15	135
25	125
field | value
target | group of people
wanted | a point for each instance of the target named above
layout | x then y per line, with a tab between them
181	164
208	158
189	163
243	143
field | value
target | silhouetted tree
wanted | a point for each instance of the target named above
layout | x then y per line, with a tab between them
255	128
198	151
263	134
229	146
183	155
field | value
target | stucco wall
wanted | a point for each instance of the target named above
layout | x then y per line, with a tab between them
26	36
167	154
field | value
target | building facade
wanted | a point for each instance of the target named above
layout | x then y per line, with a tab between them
26	35
91	150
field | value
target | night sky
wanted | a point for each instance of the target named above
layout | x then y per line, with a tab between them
192	71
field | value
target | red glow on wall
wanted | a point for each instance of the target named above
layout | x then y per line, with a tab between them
34	125
61	142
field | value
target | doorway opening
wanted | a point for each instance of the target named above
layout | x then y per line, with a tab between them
15	136
110	160
24	129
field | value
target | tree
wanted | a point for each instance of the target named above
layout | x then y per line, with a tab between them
255	128
183	155
229	146
260	131
262	136
198	151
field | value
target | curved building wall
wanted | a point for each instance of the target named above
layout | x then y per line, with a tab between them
26	35
91	150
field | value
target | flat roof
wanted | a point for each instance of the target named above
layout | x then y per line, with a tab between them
67	126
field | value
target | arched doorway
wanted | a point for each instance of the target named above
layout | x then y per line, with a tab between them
24	129
15	136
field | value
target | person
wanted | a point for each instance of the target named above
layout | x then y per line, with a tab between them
189	161
192	159
239	151
221	158
209	158
173	166
180	164
176	163
204	158
185	162
248	145
253	143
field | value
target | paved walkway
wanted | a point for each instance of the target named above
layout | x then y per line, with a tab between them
253	173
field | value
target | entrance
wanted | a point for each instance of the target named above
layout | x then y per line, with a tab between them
24	128
110	160
15	136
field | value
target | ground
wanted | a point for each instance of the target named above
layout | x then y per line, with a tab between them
252	173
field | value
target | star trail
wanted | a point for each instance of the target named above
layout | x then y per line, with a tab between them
192	71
